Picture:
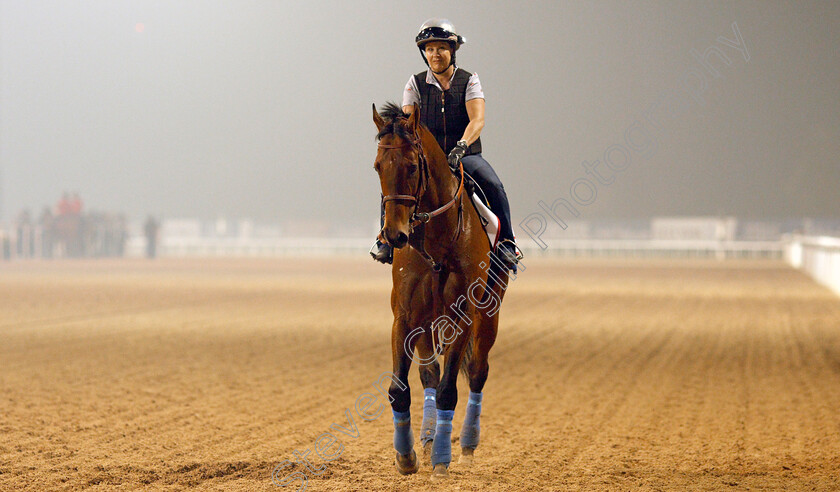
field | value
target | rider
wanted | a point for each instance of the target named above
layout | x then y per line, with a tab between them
451	106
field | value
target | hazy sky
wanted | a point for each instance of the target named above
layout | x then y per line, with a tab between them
262	108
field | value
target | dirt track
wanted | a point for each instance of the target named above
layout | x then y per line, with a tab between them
606	375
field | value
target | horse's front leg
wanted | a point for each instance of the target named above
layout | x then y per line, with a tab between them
400	395
447	397
430	377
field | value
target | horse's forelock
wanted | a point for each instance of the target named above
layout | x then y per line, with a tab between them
395	121
398	128
391	111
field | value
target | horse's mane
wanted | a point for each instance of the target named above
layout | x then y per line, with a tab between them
395	120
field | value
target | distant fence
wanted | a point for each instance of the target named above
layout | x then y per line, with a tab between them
642	248
135	246
254	247
250	247
817	256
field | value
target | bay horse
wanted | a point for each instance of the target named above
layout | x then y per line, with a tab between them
447	288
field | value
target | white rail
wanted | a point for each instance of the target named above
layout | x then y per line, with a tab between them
819	257
260	247
658	248
182	247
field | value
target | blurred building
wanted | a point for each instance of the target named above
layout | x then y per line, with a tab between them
759	230
694	228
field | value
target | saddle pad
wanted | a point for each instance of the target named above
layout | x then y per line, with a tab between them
488	220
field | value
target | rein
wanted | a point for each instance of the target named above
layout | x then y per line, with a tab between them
419	219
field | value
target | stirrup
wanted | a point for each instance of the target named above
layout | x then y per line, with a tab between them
510	257
382	253
513	248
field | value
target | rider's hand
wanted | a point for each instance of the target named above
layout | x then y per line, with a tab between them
457	153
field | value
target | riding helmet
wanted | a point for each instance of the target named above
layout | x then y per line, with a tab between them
437	29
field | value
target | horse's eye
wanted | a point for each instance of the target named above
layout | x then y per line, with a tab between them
412	169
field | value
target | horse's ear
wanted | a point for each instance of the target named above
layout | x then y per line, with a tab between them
414	119
380	123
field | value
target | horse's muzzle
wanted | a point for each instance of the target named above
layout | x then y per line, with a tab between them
398	241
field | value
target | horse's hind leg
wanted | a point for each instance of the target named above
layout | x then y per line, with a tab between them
400	394
478	370
430	377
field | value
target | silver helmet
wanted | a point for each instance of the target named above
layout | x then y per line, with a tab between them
437	29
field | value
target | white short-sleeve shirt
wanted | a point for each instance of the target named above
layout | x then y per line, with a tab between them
411	94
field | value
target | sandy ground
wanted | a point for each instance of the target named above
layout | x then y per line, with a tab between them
607	375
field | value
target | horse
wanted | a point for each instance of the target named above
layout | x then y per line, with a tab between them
442	258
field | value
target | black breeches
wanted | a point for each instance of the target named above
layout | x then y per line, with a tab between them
493	189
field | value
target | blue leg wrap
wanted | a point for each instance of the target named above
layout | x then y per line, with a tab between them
471	429
442	447
403	438
427	431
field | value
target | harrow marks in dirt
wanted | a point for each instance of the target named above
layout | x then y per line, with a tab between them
605	375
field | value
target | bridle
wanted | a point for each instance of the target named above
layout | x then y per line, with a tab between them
418	220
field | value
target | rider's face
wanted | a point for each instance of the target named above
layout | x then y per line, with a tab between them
438	55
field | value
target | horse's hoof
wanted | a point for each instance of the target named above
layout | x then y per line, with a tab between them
440	472
466	458
408	464
427	449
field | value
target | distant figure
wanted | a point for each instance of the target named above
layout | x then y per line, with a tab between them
64	227
151	231
75	204
5	245
63	206
46	233
25	236
121	235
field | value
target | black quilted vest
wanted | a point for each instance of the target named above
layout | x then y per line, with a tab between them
445	113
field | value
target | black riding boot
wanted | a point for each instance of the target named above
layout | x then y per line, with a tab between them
380	251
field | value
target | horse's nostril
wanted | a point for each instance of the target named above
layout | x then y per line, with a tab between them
402	238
